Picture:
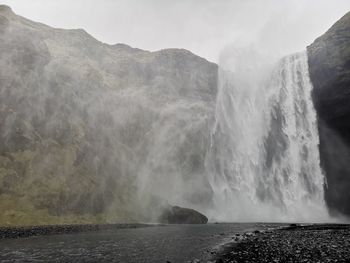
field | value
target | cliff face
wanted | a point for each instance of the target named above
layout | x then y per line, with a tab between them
329	64
83	123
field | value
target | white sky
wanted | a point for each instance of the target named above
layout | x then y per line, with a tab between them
204	27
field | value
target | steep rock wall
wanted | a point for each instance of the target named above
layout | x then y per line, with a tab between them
329	65
80	120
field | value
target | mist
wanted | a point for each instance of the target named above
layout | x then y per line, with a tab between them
203	26
169	128
174	131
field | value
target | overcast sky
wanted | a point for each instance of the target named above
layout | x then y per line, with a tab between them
203	26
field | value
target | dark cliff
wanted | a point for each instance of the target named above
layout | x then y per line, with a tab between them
329	64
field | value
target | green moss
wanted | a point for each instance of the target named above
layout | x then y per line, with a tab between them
42	185
21	212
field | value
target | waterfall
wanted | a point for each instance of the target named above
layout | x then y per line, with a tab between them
264	161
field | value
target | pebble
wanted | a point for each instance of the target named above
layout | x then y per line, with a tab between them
312	243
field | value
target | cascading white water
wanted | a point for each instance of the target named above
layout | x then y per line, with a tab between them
264	157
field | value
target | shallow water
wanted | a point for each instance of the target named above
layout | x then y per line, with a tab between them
174	243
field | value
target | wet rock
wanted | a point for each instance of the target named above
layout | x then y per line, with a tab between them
329	66
53	84
313	243
180	215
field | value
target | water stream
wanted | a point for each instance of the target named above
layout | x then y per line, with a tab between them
264	158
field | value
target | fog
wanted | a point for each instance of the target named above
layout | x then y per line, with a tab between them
159	129
203	26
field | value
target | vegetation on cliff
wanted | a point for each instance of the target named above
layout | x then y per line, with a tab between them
79	119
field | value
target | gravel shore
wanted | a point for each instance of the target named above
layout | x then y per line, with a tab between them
312	243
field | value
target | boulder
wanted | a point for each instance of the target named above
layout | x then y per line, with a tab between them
180	215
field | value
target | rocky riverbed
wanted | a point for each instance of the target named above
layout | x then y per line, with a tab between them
311	243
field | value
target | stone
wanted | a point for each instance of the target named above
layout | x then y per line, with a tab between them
180	215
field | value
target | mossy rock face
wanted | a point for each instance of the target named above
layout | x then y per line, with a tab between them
50	188
83	123
329	64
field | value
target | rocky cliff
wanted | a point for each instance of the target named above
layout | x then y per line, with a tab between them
84	125
329	64
97	133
